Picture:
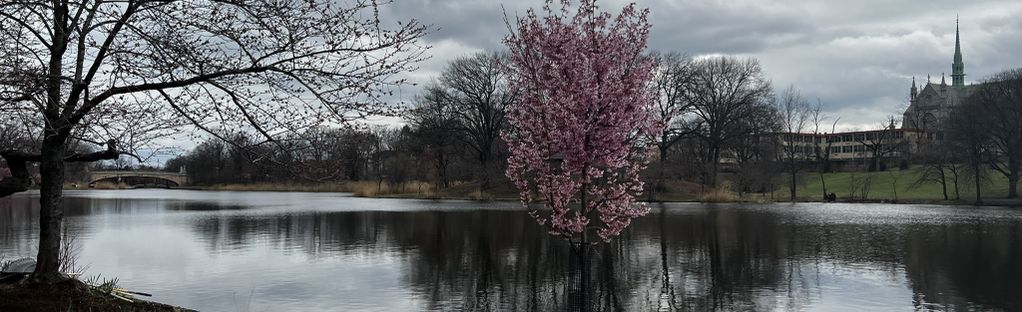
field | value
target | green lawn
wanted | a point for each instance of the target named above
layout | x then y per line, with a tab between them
891	185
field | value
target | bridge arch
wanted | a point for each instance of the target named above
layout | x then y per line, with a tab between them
140	178
137	181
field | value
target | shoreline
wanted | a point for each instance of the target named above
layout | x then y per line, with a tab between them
341	188
460	193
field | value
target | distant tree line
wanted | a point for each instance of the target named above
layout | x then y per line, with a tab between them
452	134
714	108
724	122
394	155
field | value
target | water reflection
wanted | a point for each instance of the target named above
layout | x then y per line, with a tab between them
267	251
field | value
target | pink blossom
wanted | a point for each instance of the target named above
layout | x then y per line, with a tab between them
583	98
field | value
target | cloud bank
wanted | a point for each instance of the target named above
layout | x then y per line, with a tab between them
857	57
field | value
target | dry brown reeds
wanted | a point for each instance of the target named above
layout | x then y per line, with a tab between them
380	188
342	187
721	194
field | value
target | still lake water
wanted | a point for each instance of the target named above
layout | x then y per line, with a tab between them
254	251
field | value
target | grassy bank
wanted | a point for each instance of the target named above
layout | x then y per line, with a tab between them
894	185
886	186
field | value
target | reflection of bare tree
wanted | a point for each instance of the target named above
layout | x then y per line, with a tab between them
666	290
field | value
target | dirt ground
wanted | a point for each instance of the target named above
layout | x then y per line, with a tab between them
69	295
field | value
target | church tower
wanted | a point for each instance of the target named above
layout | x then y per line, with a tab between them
958	67
913	92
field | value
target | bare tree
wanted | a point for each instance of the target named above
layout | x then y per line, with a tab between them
966	134
359	151
956	169
755	153
86	70
436	124
795	114
673	74
999	98
822	144
939	164
725	91
881	143
477	86
860	185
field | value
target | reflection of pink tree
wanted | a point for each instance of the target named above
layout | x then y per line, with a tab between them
578	126
4	172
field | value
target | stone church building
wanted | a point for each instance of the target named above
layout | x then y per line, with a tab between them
934	102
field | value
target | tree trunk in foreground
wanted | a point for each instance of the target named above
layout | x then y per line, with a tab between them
51	210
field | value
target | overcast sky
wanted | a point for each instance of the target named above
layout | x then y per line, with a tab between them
857	57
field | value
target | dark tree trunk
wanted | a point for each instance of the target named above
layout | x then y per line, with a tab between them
958	194
793	184
823	182
1013	175
943	182
824	167
1013	186
976	173
51	164
714	167
484	180
51	210
441	168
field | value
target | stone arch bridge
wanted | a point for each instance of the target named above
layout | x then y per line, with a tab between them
140	178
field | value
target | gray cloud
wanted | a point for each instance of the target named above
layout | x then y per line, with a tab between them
857	57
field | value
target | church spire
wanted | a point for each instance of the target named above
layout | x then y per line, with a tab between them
958	67
914	91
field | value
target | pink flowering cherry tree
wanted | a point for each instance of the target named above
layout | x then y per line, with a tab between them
578	131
